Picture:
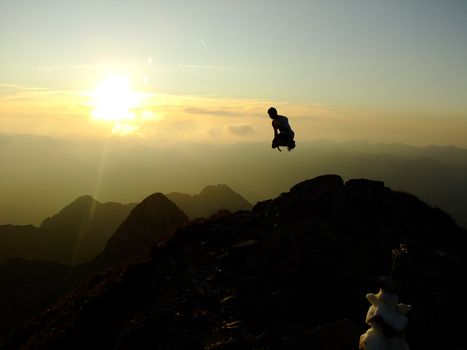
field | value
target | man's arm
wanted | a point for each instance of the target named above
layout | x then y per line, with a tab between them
275	128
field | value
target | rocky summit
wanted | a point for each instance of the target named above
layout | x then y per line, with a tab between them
292	273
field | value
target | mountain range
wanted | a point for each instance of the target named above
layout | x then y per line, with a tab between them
291	273
80	231
116	171
76	234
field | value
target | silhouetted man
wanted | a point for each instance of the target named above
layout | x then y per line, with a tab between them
283	133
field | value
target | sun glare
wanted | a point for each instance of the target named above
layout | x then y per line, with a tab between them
115	102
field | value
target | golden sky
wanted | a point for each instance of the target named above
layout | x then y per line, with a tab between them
207	71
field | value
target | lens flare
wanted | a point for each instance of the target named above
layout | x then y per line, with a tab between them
114	100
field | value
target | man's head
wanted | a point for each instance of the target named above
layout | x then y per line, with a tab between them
272	112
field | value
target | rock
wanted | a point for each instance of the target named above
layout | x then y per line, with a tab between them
339	335
324	183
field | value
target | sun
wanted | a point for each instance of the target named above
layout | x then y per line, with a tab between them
114	101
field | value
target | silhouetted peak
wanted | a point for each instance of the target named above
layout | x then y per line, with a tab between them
86	199
319	184
79	231
82	202
155	198
216	189
150	221
154	207
77	210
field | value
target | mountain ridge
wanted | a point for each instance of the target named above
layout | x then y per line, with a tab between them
280	276
83	227
77	233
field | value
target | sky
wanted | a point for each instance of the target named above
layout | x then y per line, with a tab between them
168	71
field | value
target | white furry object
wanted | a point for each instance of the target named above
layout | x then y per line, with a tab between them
385	311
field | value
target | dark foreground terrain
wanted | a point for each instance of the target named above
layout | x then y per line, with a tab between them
292	273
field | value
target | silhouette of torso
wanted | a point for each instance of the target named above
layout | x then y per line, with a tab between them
281	123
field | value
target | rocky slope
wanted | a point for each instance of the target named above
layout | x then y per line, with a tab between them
290	274
28	287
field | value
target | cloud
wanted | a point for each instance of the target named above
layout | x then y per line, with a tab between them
13	89
215	112
242	130
6	89
169	117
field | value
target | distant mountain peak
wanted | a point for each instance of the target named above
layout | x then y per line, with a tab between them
78	210
84	199
210	200
154	207
320	183
218	187
155	198
79	231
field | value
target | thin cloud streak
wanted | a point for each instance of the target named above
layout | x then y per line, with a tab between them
217	112
242	130
22	87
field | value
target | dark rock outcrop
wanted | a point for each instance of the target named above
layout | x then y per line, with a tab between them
290	274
